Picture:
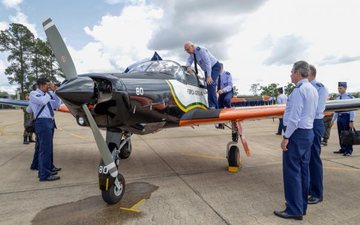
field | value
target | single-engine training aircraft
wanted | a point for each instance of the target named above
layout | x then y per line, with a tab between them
152	95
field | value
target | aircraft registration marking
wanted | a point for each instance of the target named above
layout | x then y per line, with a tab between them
132	208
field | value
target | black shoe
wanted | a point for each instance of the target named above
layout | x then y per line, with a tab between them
56	169
277	134
33	168
323	143
284	215
313	200
26	142
51	178
54	173
31	140
339	152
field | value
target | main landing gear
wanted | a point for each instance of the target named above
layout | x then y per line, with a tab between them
232	149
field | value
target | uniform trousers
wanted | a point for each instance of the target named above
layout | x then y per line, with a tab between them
343	124
211	88
45	131
296	171
315	166
225	100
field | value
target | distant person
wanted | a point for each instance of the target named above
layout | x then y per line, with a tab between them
43	101
28	133
345	120
225	89
281	99
327	123
209	64
315	166
296	145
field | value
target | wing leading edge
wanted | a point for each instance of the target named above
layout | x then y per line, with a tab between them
199	116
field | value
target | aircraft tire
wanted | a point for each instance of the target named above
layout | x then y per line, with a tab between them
114	194
234	156
126	150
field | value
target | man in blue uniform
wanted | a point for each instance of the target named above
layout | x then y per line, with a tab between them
315	166
209	64
281	99
225	89
43	101
345	120
296	145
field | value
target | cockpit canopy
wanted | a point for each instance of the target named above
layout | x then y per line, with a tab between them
171	68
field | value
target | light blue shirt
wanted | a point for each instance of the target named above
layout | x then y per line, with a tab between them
38	99
323	95
352	113
281	99
204	59
301	107
226	84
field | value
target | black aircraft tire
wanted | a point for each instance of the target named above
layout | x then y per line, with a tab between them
234	156
126	150
114	195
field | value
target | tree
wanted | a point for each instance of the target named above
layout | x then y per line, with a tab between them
289	88
235	91
17	40
255	88
270	90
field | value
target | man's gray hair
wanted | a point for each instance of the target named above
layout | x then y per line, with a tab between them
302	67
313	70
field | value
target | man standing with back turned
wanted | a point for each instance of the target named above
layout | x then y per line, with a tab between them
209	64
296	145
315	167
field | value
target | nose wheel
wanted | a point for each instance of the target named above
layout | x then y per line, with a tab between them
113	193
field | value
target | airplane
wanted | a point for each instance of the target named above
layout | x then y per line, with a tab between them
152	95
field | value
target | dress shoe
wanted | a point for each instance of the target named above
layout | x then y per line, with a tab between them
285	215
57	169
277	134
339	152
347	154
313	200
54	173
33	168
51	178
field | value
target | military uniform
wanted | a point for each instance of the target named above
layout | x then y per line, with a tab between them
281	99
28	117
44	128
210	65
315	166
343	120
298	118
225	84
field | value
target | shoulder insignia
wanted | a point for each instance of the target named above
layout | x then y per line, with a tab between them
319	85
198	48
227	73
38	95
350	96
297	86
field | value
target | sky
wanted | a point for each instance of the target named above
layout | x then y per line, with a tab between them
257	40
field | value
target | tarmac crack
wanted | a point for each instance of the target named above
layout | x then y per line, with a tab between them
343	164
196	192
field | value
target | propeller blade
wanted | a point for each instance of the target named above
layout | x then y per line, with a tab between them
60	50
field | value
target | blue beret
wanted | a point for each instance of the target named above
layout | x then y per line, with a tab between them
342	84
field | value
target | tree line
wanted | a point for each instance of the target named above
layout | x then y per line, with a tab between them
29	58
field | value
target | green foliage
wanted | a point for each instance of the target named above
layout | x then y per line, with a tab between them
29	58
270	90
289	88
255	88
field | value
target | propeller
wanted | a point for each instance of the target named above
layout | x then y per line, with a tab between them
60	50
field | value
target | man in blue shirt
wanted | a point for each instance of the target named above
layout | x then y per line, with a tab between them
209	64
42	103
281	99
225	89
299	117
315	166
345	120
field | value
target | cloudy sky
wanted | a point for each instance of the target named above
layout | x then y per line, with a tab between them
257	40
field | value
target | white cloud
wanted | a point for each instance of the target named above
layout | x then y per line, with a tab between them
3	25
11	3
20	17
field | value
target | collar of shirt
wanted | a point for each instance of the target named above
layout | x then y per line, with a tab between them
305	80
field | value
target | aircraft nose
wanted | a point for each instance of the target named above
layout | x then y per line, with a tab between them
77	91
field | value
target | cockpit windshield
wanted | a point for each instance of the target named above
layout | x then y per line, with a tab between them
163	66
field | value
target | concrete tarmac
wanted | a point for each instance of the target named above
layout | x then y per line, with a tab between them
176	176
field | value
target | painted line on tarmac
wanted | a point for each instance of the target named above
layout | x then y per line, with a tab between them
342	169
132	208
72	134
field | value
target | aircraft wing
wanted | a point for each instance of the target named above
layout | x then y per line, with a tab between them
24	103
200	116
